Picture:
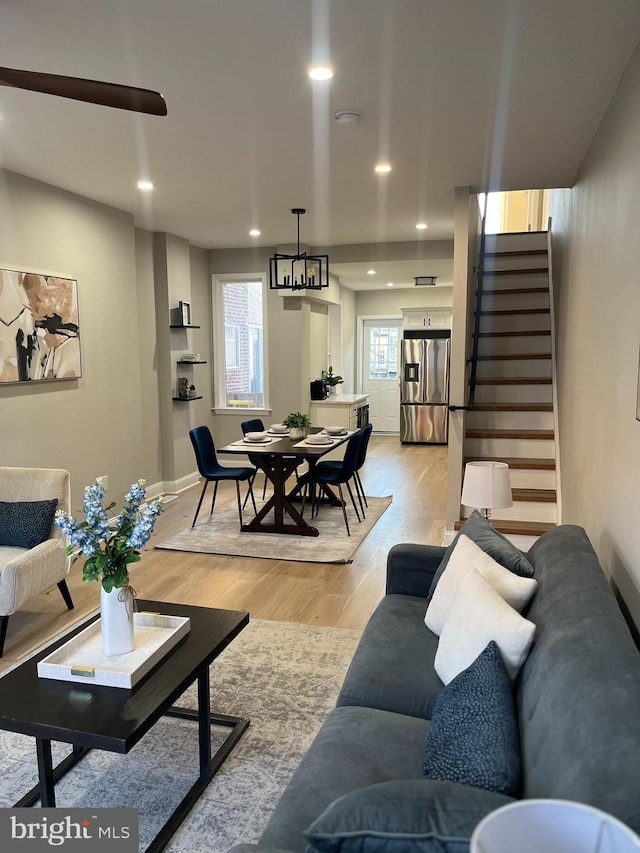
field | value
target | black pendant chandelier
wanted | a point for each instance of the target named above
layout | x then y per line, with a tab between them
300	271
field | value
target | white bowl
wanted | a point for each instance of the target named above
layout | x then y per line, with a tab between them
256	436
278	428
317	438
334	430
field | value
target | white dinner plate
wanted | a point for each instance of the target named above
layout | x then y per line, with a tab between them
262	441
334	434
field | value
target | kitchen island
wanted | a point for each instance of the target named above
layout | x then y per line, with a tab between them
347	410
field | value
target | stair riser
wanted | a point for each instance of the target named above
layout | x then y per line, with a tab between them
530	478
535	448
514	369
512	346
515	279
511	301
514	322
522	511
526	262
509	420
513	393
515	242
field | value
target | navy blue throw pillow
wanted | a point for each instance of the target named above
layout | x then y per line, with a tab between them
25	524
473	736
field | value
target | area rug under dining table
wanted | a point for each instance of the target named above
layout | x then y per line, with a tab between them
220	534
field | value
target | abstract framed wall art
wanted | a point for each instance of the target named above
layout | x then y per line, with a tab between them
39	327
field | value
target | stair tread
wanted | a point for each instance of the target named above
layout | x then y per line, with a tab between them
516	334
517	380
504	311
528	271
515	254
515	356
510	291
541	495
522	434
517	528
518	462
513	407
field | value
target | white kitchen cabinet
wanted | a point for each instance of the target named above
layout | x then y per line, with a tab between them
342	410
423	318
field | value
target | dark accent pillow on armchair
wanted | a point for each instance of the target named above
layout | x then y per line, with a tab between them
493	543
473	737
25	524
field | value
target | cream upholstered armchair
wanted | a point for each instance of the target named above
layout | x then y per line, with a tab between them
32	556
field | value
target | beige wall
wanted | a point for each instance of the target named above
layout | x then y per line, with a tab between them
390	301
596	256
92	425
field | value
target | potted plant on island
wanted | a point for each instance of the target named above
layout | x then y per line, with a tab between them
297	423
110	545
332	380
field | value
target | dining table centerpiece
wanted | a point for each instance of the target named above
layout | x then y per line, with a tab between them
297	423
110	544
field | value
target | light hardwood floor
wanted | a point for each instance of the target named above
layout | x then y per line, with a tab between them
313	593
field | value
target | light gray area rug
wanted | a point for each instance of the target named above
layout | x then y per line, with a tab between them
220	534
284	676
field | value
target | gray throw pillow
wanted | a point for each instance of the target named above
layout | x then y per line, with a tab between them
416	815
491	542
473	736
25	524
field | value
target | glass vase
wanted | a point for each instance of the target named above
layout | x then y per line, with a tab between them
116	620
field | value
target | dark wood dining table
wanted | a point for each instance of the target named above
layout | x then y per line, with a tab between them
278	460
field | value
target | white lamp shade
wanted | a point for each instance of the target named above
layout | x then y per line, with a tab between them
552	826
487	485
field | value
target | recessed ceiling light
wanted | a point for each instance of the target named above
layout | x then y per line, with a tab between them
145	185
371	272
421	226
254	232
382	168
321	72
389	284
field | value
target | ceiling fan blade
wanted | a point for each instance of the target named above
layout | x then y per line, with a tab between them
91	91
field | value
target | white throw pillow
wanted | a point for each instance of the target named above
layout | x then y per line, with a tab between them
515	590
479	615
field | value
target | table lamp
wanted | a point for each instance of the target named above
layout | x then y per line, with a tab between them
486	486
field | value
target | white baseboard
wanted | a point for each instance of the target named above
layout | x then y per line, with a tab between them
173	487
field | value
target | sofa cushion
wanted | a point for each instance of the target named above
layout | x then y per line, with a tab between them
25	524
579	691
355	747
397	817
392	668
479	615
473	736
515	590
493	543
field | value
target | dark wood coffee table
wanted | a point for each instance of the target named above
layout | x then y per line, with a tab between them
115	719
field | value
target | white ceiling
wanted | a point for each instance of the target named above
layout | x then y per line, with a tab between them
501	94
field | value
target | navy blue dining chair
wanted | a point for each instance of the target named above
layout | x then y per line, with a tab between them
362	455
337	474
213	472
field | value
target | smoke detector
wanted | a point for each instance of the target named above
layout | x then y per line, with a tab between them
348	117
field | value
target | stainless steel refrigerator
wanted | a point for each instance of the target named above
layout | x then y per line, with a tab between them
424	387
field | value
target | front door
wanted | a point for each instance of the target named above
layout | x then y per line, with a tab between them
380	372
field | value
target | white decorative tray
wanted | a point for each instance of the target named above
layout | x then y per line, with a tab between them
81	659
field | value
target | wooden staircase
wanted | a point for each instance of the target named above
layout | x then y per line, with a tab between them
513	419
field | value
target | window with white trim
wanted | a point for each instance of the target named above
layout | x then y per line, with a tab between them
239	329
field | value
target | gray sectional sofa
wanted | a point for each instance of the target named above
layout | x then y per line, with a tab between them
361	787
